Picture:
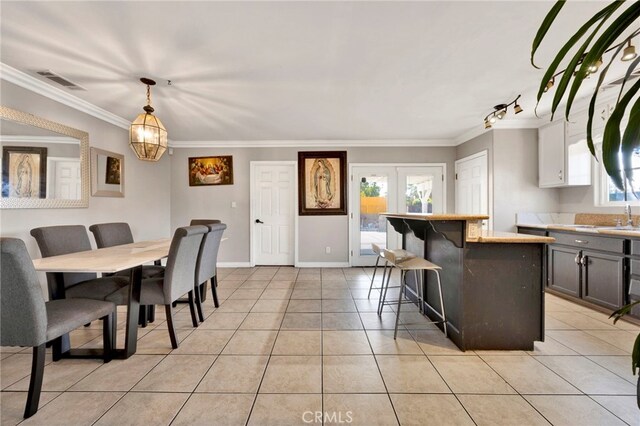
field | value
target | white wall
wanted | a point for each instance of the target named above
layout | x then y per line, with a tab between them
315	232
146	205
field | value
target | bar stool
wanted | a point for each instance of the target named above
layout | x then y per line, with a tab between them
414	264
399	253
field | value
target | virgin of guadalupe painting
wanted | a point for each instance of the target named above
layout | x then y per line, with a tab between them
24	172
322	183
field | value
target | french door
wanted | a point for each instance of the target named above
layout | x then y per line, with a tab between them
389	188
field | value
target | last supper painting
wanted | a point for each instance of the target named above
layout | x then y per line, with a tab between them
322	183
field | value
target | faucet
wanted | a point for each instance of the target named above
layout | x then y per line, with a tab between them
627	212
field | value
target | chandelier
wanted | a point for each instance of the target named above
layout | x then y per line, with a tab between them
147	135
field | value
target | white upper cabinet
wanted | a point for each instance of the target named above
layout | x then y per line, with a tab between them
563	158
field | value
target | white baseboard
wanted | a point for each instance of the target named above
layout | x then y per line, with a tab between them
322	265
234	265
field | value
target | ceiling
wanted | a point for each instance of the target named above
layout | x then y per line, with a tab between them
245	71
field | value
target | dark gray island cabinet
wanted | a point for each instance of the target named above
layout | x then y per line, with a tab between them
493	285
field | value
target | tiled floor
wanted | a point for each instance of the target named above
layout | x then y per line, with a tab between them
291	346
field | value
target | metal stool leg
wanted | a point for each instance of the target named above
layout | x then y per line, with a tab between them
419	287
444	317
402	286
375	268
383	290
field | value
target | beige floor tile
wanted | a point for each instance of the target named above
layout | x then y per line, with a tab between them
302	321
507	410
528	376
60	376
581	321
255	285
276	294
416	321
223	321
345	342
552	323
469	374
587	376
118	375
418	410
624	407
371	321
17	367
298	343
74	408
572	410
215	409
157	342
433	342
262	321
302	293
383	343
204	342
287	284
308	285
359	410
550	347
338	305
332	293
583	343
351	374
341	321
236	306
334	285
366	305
12	349
619	338
151	408
248	294
84	335
270	306
13	404
620	365
293	374
285	410
305	305
176	373
234	374
410	374
251	342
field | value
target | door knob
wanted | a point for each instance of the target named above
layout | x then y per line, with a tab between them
259	221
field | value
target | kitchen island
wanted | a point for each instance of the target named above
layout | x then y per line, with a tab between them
492	282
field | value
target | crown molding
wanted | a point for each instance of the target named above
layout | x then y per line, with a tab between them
38	139
35	85
315	143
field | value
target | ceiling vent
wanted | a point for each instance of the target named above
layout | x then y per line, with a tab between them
619	81
48	74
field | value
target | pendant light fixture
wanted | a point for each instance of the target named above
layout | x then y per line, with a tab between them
499	111
629	52
147	135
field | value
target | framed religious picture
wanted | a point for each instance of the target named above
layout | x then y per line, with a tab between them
24	172
322	183
211	170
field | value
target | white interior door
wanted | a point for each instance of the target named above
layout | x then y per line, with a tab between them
66	181
273	218
472	185
392	188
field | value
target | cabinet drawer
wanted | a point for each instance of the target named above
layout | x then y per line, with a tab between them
635	247
591	242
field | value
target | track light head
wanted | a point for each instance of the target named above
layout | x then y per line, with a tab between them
593	68
550	84
629	53
487	124
517	109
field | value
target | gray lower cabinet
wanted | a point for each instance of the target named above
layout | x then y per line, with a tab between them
603	279
563	268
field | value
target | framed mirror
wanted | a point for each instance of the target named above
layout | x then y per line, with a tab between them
107	173
44	164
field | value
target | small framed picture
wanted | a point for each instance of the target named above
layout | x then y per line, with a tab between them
211	170
24	172
322	183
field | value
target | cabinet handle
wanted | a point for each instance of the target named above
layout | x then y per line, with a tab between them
582	242
577	259
584	260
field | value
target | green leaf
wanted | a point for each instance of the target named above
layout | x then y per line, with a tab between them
611	137
627	75
604	42
631	140
635	355
623	311
569	44
544	27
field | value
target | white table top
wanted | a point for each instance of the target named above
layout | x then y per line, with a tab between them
106	260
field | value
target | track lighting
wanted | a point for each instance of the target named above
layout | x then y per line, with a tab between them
550	84
629	53
500	111
593	68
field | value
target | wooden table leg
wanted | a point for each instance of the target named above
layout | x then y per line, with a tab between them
133	310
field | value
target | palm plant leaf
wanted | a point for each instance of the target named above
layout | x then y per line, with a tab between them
635	355
611	137
631	140
616	315
546	24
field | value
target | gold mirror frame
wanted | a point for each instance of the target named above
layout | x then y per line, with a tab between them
49	203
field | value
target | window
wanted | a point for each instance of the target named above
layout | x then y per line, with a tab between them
608	193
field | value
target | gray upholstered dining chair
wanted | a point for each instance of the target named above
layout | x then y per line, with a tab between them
207	261
65	239
178	277
27	320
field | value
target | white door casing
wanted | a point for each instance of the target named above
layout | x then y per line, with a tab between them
472	184
273	212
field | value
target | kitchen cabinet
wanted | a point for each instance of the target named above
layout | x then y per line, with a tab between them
603	279
563	159
564	270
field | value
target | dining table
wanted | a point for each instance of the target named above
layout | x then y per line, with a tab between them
107	260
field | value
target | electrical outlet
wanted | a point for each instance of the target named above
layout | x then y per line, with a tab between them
327	250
